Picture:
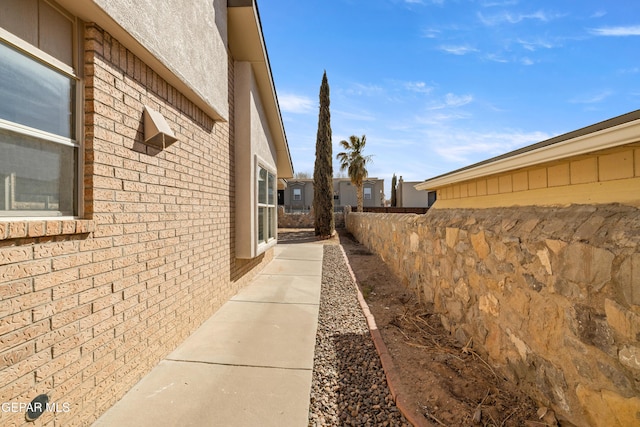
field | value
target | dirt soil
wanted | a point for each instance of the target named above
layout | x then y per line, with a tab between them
448	383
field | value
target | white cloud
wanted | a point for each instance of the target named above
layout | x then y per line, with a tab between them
296	104
452	100
526	61
533	45
464	147
363	115
364	89
599	14
630	70
495	57
499	3
430	33
439	2
420	87
592	98
440	118
617	31
511	18
458	50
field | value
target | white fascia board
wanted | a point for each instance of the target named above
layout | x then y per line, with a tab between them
616	136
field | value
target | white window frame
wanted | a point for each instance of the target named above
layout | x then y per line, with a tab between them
270	216
74	73
369	195
297	197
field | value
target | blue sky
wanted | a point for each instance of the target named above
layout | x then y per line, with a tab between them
439	84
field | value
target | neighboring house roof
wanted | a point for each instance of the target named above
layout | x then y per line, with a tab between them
246	43
610	133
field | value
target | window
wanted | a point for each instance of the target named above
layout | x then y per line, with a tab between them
38	134
266	206
297	194
367	193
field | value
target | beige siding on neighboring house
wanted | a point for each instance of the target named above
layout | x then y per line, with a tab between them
344	193
606	176
347	196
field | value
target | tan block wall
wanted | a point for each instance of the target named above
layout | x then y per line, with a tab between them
90	306
607	176
549	295
287	220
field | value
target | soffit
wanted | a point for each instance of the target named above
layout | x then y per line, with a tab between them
246	43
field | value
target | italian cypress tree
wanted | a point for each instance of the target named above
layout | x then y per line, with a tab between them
323	169
394	199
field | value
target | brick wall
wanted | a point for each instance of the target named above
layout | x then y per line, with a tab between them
85	313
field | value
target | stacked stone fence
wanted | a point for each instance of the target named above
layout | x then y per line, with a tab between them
550	296
303	220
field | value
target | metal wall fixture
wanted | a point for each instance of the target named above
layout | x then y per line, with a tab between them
157	132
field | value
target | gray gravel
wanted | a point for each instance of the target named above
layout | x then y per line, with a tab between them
349	387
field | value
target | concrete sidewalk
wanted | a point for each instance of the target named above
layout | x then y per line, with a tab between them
250	364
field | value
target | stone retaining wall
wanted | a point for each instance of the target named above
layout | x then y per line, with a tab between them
551	296
306	220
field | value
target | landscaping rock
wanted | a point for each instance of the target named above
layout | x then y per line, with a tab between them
349	387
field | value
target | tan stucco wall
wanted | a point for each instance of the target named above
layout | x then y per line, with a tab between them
411	197
253	147
342	186
188	38
607	176
306	194
348	196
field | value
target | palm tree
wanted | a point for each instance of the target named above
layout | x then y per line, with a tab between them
355	163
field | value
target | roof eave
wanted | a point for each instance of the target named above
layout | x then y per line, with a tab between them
608	134
246	43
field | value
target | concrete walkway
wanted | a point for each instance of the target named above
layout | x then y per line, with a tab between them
250	364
